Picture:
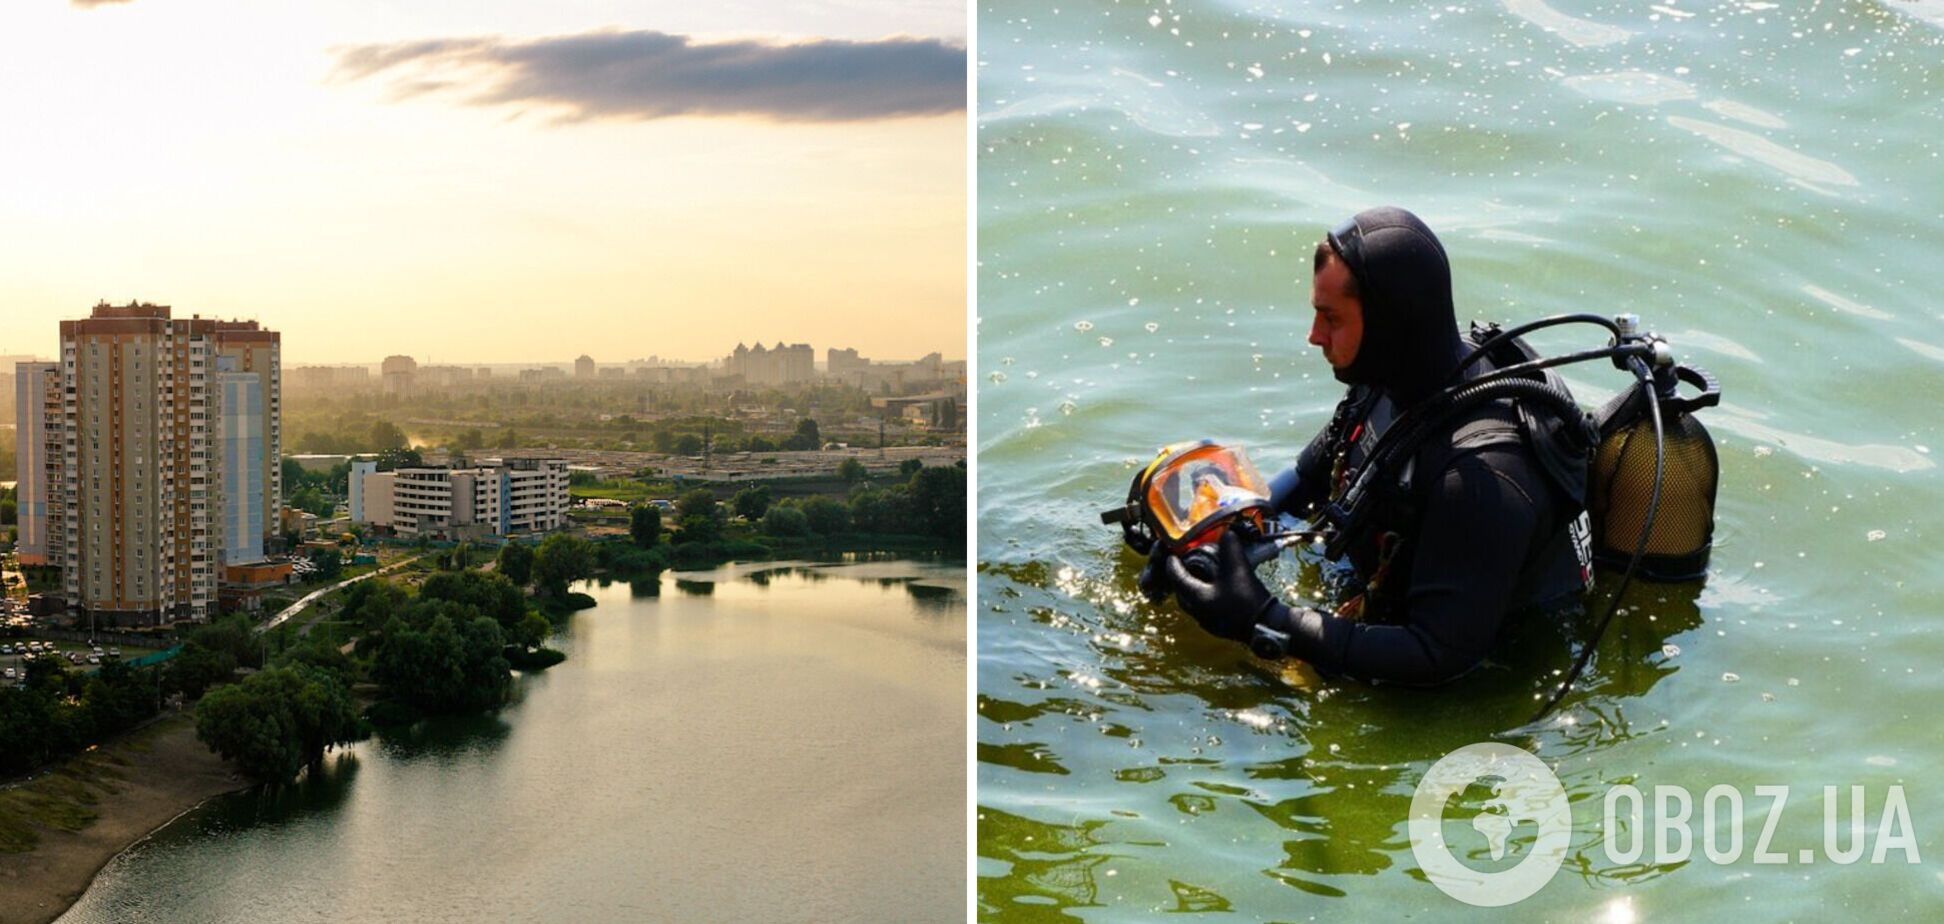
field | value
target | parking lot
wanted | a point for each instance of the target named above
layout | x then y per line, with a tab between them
19	650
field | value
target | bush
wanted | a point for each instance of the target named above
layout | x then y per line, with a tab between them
628	558
538	659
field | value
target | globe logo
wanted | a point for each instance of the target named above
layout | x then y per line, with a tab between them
1524	792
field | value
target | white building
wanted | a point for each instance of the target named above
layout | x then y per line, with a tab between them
496	498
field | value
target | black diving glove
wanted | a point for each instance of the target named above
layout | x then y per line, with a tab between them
1153	579
1230	601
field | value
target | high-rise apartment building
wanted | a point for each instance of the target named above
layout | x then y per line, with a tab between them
780	365
163	445
397	373
35	384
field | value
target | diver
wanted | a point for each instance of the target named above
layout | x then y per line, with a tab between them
1484	521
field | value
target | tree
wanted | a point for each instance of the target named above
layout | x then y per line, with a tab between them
371	603
752	502
699	528
386	435
826	517
881	510
452	664
759	444
531	632
234	635
484	593
806	436
697	502
516	562
312	501
293	473
195	669
785	520
851	470
910	467
329	562
938	502
278	720
560	561
688	444
644	525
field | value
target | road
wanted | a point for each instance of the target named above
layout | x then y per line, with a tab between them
311	597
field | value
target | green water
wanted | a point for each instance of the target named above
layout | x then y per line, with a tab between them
1761	183
764	742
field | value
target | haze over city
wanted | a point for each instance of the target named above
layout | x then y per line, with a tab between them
507	183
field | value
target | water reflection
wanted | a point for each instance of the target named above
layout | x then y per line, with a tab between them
321	788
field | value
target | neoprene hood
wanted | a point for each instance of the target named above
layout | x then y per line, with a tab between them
1410	329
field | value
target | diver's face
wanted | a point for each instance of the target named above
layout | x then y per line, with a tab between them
1338	327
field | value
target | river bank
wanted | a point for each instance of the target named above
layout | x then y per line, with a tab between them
94	806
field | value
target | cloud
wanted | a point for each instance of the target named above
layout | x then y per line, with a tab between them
653	75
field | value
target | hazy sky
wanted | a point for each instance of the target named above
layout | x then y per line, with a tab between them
490	181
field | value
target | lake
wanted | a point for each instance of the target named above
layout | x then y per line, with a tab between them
1760	183
777	741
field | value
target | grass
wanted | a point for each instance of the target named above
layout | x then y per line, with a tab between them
630	490
62	799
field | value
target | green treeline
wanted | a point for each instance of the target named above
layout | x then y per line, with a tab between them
58	712
926	510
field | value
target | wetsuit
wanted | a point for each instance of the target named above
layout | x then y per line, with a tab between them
1477	526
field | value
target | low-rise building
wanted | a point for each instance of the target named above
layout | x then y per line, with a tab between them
500	498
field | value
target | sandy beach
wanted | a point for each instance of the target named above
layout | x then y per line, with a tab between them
137	783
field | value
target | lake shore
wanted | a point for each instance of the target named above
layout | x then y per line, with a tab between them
131	787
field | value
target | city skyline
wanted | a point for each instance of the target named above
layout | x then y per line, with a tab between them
666	174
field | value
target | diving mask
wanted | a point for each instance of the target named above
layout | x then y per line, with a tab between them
1189	495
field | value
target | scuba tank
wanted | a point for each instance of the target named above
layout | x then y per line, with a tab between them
1623	481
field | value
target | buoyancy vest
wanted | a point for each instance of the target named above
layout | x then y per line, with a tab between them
1557	568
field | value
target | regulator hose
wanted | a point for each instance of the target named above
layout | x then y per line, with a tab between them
1401	440
1640	546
